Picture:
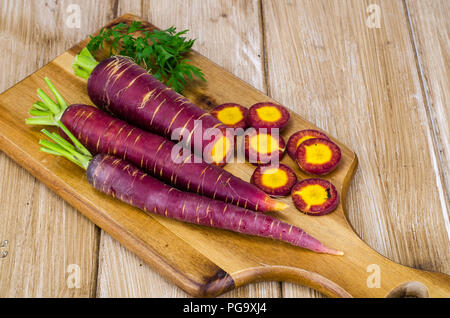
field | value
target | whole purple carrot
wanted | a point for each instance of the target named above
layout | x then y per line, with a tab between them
102	133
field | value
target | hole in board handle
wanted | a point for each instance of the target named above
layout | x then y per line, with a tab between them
409	290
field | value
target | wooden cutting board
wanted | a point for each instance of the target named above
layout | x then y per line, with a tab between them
204	261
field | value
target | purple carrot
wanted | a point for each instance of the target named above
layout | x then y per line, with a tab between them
102	133
129	92
120	179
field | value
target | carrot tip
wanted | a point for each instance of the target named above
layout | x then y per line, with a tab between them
332	251
279	206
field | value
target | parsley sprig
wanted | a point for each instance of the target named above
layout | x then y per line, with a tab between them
162	52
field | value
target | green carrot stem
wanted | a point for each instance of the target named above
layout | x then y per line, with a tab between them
82	149
61	102
51	105
47	111
61	147
59	140
84	64
52	148
41	120
40	105
52	152
36	112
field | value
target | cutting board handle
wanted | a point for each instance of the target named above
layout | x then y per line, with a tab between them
293	275
430	284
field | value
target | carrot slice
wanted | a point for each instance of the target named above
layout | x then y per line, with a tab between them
267	115
274	180
315	196
231	114
318	156
263	148
300	136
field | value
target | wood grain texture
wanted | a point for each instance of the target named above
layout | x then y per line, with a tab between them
45	234
226	34
205	261
430	29
364	70
363	86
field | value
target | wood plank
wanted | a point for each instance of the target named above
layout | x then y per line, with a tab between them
430	29
362	85
234	45
45	234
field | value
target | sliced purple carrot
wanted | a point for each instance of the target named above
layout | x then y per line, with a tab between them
263	148
231	114
300	136
267	115
318	156
315	196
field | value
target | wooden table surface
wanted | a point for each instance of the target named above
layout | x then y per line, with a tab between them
374	74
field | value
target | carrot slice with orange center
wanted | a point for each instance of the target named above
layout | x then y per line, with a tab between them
296	139
231	114
274	180
315	196
263	148
267	115
318	153
318	156
221	150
